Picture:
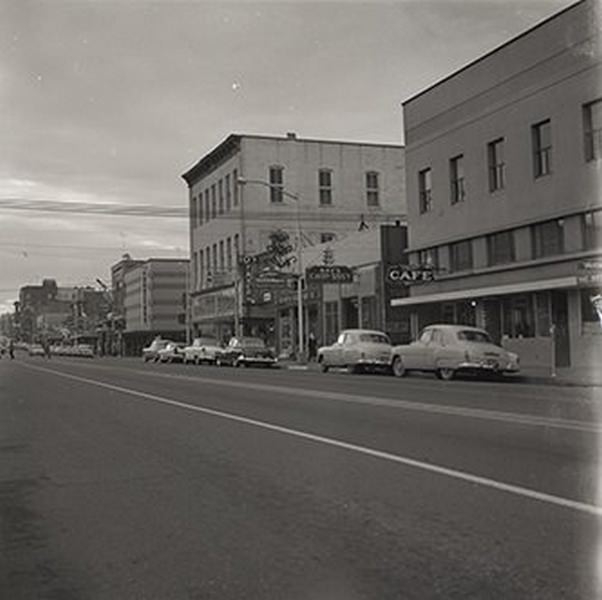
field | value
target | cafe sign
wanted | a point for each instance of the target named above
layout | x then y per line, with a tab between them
409	274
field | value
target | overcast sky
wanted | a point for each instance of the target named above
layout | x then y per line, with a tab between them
113	101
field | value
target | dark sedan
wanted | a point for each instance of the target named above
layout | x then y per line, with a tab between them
244	352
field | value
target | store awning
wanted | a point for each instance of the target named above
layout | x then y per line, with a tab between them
496	290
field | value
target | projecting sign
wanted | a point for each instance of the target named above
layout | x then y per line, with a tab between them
329	274
589	274
409	275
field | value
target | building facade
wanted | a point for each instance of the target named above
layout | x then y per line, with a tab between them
503	185
322	189
154	302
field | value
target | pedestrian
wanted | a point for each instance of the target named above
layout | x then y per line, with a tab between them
11	349
46	346
312	346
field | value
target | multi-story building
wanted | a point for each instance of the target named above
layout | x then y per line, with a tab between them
503	186
324	189
154	302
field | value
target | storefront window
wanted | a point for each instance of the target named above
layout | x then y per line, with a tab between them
542	303
518	316
331	314
588	310
369	312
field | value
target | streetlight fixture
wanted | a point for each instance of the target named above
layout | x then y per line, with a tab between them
295	197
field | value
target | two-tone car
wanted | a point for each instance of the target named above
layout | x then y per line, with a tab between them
246	352
173	352
450	349
151	352
202	350
357	350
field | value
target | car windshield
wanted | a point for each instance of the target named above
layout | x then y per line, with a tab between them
470	335
375	338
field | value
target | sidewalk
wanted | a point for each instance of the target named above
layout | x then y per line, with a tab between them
529	375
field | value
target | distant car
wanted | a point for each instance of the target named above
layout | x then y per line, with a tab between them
83	350
202	349
151	352
173	352
451	349
36	350
244	352
357	350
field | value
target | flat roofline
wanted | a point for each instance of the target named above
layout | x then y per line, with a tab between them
493	51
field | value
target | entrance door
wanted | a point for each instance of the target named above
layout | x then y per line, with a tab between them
350	313
560	319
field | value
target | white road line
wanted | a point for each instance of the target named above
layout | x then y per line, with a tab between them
454	473
459	411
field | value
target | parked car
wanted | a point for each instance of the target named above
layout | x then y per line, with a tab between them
450	349
36	350
173	352
244	352
151	352
202	349
357	350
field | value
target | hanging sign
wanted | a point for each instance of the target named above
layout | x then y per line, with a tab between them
329	274
409	274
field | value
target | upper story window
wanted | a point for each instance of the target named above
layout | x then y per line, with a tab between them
541	134
325	186
207	206
221	255
276	179
199	213
229	254
235	186
592	229
372	189
236	247
500	248
460	256
228	193
213	202
193	211
429	257
425	200
456	179
547	239
496	165
327	237
592	127
220	194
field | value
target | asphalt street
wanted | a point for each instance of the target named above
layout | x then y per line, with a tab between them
124	480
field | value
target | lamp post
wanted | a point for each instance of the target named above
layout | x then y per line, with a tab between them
295	197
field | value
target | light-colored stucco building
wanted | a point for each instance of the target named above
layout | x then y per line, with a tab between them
503	163
154	301
326	189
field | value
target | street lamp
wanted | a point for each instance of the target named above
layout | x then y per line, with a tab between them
243	181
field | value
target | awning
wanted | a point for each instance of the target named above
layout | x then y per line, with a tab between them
496	290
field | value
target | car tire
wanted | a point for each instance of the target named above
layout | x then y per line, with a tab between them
323	366
446	373
398	369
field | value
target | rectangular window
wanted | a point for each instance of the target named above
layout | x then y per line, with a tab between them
214	256
456	179
195	281
369	312
460	256
547	239
592	128
228	194
229	254
202	268
588	310
542	148
425	201
495	160
276	181
213	202
235	186
208	263
542	313
518	317
236	248
592	229
500	248
325	187
221	255
193	211
372	189
428	257
331	321
220	194
327	237
199	213
207	206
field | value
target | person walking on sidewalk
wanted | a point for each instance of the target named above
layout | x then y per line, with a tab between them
11	349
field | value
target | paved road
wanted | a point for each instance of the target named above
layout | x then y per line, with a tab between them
120	480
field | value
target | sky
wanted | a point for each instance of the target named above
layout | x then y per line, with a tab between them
110	102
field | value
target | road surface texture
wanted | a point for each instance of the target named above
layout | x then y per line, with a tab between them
121	480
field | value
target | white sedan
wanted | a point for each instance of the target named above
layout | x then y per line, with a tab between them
357	350
202	350
449	349
173	352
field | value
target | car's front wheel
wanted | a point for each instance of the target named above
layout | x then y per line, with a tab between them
398	368
446	373
323	365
